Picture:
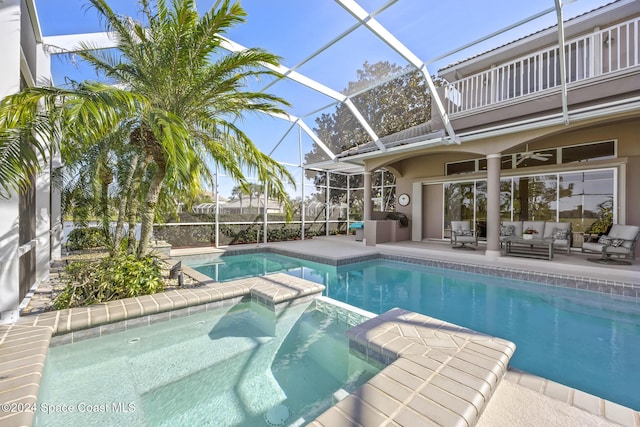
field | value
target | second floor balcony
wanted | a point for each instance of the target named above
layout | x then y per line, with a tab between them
605	56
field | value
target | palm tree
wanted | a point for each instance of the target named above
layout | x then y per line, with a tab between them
176	92
239	192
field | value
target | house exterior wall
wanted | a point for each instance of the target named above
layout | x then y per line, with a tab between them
24	59
9	226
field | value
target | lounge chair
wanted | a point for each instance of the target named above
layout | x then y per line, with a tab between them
614	247
462	234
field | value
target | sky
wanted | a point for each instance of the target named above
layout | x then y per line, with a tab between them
295	30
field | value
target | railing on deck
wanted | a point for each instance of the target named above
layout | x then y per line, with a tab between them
606	51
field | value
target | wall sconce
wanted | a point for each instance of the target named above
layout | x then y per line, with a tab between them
608	39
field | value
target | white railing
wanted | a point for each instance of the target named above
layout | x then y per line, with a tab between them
601	52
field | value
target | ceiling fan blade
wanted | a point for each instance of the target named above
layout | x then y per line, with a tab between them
541	157
521	159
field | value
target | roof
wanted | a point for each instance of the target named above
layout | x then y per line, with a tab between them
407	136
514	43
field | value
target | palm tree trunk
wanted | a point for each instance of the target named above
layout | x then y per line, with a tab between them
106	178
131	234
132	204
122	208
148	214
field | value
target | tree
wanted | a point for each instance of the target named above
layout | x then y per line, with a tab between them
238	192
176	92
402	102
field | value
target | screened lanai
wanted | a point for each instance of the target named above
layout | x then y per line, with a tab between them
363	78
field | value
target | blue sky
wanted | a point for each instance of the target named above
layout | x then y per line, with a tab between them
295	29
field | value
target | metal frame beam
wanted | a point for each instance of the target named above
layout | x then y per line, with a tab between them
308	131
563	64
311	84
383	34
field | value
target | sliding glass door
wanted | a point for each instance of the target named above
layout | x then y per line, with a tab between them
585	198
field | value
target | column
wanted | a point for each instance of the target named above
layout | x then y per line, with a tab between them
366	215
493	206
9	208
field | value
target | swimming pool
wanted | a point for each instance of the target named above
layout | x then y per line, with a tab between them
227	367
586	340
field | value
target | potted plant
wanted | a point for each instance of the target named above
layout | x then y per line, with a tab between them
529	233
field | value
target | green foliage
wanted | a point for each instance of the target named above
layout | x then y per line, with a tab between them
111	278
86	238
401	102
605	217
230	234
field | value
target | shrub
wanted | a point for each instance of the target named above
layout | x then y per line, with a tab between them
85	238
111	278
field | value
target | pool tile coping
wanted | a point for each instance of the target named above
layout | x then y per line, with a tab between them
437	373
23	350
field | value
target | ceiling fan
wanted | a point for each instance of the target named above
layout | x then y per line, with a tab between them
543	157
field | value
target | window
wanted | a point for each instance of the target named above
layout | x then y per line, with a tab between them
582	198
577	153
589	152
587	197
455	168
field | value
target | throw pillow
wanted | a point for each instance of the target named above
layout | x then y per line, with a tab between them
464	233
507	230
604	240
617	242
560	234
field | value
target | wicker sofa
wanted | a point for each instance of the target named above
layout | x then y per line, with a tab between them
560	232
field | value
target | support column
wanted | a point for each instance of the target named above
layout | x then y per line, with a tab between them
368	208
493	206
9	208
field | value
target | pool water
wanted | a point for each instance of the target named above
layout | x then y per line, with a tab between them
586	340
226	367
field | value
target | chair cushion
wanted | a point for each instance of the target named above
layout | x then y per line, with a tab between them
465	239
507	230
551	227
559	234
517	226
597	247
460	225
625	232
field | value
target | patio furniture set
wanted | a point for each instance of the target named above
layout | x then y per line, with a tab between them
539	239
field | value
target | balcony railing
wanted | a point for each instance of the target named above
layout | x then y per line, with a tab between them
599	53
